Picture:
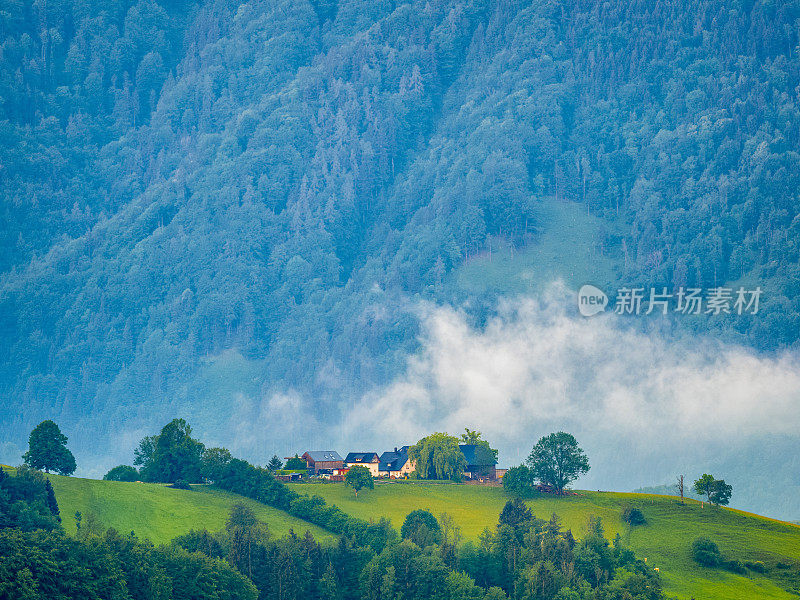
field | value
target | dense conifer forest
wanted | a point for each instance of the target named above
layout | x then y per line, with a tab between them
257	191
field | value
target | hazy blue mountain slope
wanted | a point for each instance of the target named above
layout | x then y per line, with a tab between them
228	209
270	178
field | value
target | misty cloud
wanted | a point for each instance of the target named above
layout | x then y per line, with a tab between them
656	402
279	422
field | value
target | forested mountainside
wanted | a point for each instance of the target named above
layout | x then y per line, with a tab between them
208	197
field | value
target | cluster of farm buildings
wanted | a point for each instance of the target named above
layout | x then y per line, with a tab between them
392	464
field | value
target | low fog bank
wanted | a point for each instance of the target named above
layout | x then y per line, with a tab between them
645	406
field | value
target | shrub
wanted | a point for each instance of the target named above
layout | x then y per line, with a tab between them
122	473
735	566
519	481
633	516
757	566
306	507
181	485
706	553
240	477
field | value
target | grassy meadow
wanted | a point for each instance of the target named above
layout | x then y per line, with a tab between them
665	540
566	248
160	513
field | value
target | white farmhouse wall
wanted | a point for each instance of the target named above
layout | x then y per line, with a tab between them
373	467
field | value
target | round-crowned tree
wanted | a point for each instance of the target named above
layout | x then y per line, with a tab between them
422	528
556	460
171	455
358	478
47	450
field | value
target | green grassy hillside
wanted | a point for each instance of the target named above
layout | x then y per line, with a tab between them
665	540
570	246
160	513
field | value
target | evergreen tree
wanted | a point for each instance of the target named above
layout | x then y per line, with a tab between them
516	514
274	463
51	502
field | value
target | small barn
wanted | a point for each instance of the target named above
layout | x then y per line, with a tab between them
323	460
480	462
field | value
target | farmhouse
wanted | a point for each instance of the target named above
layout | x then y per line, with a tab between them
395	464
480	462
324	461
366	459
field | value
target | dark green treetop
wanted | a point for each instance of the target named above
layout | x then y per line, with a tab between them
358	478
556	460
47	450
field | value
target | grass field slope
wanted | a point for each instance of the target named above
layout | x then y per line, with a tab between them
160	513
569	247
665	540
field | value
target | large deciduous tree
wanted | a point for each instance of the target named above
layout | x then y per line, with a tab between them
47	450
556	460
438	456
721	492
716	490
171	455
486	455
215	460
476	437
703	484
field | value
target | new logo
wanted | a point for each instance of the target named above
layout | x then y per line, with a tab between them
591	300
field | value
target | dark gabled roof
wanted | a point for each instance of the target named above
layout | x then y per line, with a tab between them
393	460
389	465
361	457
323	455
475	458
